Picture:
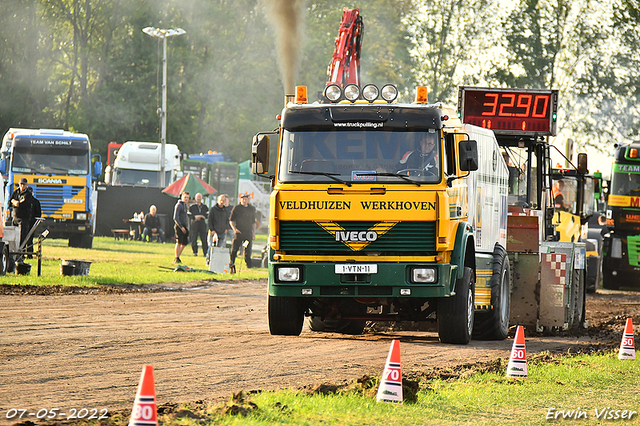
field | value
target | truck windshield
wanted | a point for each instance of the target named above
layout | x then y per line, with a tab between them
360	156
50	161
625	184
139	177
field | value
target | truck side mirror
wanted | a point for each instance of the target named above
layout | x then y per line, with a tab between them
260	154
97	168
582	163
468	155
97	165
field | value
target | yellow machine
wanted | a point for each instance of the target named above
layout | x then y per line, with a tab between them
384	211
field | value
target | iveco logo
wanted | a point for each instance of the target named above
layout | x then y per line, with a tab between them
356	240
356	236
44	180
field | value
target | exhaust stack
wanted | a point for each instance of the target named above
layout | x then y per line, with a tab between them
289	99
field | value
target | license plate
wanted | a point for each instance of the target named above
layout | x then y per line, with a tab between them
353	268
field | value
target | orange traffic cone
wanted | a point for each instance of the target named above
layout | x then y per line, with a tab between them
517	366
627	347
390	389
144	411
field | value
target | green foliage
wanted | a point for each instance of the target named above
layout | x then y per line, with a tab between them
24	93
446	36
611	81
567	45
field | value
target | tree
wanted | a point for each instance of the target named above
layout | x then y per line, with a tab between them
24	93
557	44
448	39
612	80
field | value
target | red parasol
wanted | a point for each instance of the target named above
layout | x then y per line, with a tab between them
190	183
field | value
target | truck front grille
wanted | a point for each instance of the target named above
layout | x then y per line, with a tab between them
52	197
633	248
403	238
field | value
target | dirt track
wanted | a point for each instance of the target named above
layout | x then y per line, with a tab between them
211	339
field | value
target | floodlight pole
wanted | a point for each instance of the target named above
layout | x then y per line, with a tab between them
163	34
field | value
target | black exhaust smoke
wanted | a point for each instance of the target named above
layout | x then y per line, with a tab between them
287	17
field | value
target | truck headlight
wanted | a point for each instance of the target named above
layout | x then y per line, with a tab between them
333	92
352	92
389	92
289	273
422	274
616	248
370	92
81	216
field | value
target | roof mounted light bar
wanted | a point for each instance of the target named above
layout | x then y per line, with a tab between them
352	93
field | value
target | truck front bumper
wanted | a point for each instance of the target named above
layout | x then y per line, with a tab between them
320	279
63	229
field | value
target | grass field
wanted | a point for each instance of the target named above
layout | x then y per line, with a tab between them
582	389
116	262
587	389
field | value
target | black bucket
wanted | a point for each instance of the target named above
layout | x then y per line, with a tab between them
23	268
75	267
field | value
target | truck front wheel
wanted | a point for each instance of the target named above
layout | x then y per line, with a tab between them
5	259
81	241
286	316
610	281
456	313
494	324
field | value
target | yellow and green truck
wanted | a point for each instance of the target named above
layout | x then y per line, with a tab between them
621	243
362	229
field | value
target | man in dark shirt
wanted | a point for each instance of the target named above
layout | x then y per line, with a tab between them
198	213
423	160
25	209
219	221
152	225
181	225
244	223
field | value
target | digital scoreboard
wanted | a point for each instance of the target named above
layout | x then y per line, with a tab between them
510	111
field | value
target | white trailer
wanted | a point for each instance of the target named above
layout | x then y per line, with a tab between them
138	163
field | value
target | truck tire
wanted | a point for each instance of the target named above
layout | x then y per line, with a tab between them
456	313
81	241
286	316
494	323
4	259
577	302
609	281
74	241
86	241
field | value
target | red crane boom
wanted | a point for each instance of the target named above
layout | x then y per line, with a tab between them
345	63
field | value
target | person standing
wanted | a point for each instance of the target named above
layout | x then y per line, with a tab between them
198	213
181	225
152	225
25	209
559	200
244	223
219	221
36	212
